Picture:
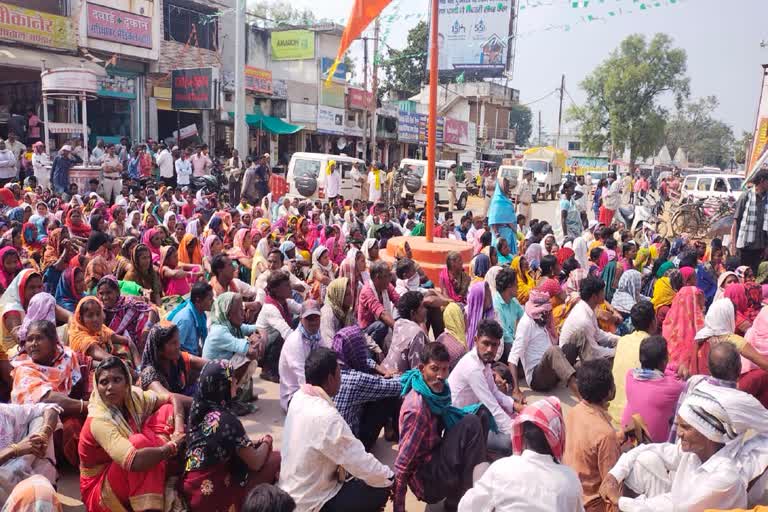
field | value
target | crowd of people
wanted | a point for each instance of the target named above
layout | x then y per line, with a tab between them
134	322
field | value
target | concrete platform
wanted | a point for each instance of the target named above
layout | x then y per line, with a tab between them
430	256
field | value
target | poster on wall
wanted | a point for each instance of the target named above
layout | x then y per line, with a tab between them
330	120
474	37
192	89
119	26
760	137
292	45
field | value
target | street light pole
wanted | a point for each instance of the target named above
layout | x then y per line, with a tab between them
374	88
241	129
432	122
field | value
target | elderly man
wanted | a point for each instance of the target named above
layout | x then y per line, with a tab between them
298	345
375	307
712	467
538	437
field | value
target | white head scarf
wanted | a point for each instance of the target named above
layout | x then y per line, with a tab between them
720	320
193	227
367	245
581	252
490	277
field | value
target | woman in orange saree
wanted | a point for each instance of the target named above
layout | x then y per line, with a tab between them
126	443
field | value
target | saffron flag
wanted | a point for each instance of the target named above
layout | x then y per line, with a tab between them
363	12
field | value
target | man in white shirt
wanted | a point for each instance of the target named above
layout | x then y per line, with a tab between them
298	345
538	439
451	183
8	164
712	467
41	165
276	317
580	332
472	382
183	169
543	361
111	170
319	447
276	263
165	164
375	177
333	181
16	146
524	194
97	155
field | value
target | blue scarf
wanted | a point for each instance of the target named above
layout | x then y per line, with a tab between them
314	339
439	404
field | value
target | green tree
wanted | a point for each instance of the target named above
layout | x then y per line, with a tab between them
404	69
282	12
351	66
742	146
622	107
521	120
706	140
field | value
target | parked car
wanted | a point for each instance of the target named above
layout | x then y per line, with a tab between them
415	189
306	175
712	185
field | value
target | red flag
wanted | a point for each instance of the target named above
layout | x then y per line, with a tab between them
363	12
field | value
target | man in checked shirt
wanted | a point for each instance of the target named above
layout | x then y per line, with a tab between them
440	446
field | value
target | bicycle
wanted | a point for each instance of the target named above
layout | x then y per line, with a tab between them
695	218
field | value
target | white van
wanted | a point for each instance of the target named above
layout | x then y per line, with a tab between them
306	175
415	183
712	185
514	173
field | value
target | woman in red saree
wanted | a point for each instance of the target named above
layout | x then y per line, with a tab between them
684	320
126	443
75	224
222	463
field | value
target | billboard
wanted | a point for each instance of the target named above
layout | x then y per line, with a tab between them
119	26
760	137
474	38
292	45
192	89
258	80
30	26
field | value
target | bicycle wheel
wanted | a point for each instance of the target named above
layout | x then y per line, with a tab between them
686	221
662	228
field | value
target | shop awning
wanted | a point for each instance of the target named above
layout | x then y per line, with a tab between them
13	57
271	124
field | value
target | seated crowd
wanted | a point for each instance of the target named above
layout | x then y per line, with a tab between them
132	335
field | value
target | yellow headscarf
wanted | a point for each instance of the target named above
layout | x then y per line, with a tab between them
453	318
329	167
641	260
663	293
525	282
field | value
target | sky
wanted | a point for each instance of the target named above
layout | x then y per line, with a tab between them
721	37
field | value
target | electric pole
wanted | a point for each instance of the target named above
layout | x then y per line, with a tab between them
560	112
241	129
374	87
365	88
539	127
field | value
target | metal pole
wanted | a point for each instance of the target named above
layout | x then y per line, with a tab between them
539	127
241	129
374	87
85	128
560	112
365	88
432	122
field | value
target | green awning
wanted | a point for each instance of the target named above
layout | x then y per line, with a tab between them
271	124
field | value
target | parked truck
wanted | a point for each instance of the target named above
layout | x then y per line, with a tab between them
547	164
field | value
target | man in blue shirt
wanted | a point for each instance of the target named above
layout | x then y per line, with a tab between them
191	320
508	309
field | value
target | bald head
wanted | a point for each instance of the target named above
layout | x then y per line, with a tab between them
724	361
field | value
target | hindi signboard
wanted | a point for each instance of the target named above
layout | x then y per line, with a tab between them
119	26
292	45
258	80
28	26
192	89
474	37
330	120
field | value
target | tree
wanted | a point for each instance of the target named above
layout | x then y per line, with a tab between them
283	13
622	96
351	66
520	119
742	146
705	139
404	69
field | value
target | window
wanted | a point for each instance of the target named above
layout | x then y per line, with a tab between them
574	145
704	185
309	168
280	109
735	184
180	20
720	185
690	183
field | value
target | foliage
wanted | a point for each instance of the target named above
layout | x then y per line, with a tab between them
742	146
521	120
623	92
351	66
283	13
706	140
404	69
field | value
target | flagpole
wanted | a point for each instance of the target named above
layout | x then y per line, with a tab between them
432	122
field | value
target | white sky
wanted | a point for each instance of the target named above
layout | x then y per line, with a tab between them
722	39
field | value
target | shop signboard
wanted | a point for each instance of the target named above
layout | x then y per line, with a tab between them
28	26
408	127
474	37
424	128
330	120
118	85
303	113
456	132
258	80
192	89
358	99
292	45
332	95
65	127
119	26
340	75
186	132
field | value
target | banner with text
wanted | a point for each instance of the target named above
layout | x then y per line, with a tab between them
359	99
330	120
119	26
292	45
36	28
760	137
258	80
192	89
